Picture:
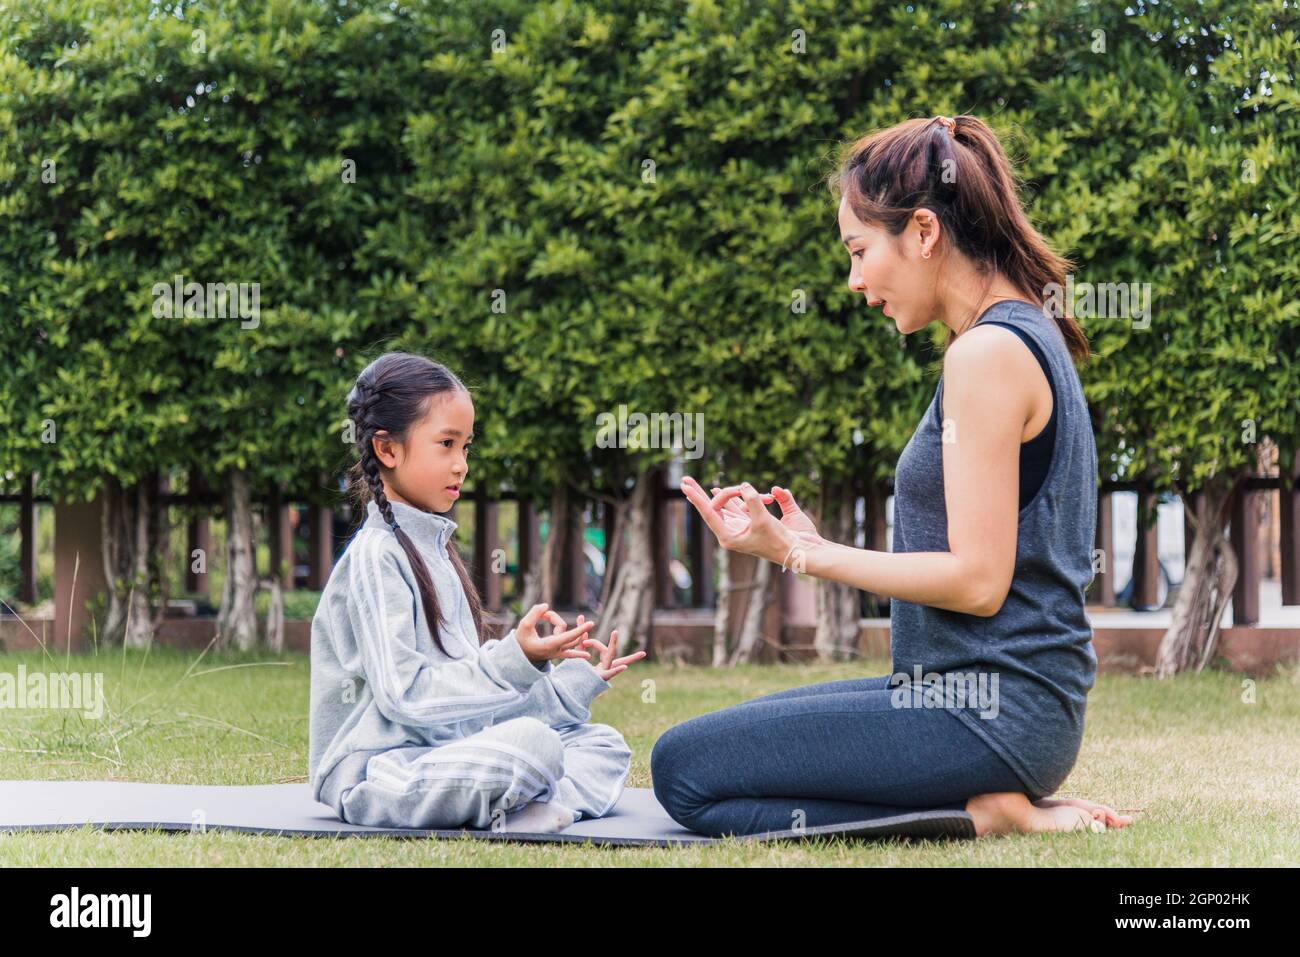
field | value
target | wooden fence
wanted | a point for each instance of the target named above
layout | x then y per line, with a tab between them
677	535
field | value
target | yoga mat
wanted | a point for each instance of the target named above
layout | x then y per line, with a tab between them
290	810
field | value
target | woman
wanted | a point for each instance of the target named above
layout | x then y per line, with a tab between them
994	517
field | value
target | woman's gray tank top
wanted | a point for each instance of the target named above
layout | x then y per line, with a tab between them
1020	678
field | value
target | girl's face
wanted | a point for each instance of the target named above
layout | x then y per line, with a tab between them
890	271
429	468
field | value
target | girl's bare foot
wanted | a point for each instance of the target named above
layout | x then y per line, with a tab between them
537	817
1010	812
1107	815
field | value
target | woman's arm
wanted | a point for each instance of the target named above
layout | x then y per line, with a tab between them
988	397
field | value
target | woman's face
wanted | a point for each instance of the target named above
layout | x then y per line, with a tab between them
433	460
890	271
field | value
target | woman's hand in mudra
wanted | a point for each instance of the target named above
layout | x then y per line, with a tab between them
739	518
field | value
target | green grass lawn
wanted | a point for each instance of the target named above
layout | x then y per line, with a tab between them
1217	776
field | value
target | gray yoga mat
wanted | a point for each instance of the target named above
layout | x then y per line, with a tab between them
290	810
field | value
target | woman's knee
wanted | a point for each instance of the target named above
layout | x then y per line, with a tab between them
671	776
666	754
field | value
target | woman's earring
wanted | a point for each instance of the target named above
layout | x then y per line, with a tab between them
926	254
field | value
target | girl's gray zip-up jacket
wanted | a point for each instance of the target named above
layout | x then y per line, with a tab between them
377	679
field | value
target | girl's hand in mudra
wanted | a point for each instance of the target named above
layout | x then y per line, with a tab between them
563	641
749	528
607	666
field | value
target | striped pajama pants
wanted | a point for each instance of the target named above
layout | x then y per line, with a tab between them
476	780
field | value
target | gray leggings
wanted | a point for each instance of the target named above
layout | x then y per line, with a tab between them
822	754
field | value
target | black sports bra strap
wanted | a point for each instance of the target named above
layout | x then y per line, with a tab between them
1034	347
1037	350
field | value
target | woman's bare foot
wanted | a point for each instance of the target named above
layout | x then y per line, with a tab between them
1107	815
1010	812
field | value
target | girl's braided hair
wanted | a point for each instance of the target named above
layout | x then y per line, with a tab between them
391	394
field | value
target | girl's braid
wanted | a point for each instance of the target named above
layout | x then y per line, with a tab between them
362	398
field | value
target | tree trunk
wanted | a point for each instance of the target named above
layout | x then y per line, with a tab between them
114	545
530	587
160	550
756	602
129	528
757	597
613	555
274	635
631	596
876	538
722	606
1211	573
543	578
836	636
237	618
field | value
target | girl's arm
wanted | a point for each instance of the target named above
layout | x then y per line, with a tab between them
563	696
407	687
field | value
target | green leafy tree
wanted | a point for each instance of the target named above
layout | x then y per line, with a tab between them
1173	176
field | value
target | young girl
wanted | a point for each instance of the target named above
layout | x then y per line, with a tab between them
416	722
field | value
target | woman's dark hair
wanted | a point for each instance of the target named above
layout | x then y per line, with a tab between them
965	178
392	394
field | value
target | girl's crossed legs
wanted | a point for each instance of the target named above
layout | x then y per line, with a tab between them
477	779
827	753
